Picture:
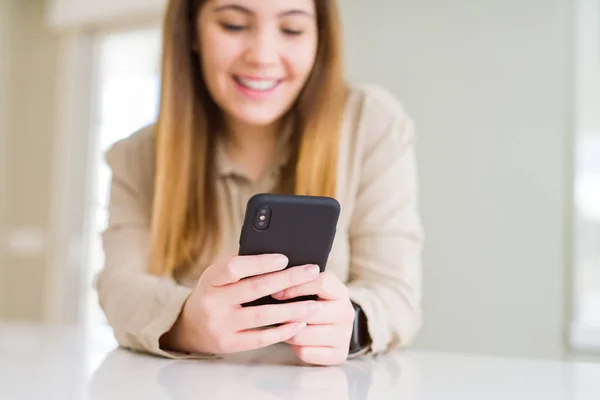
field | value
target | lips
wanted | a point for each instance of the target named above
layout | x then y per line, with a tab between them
259	85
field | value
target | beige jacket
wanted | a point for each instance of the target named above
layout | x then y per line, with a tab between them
377	249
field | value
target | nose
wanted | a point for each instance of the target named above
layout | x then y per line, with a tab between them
263	48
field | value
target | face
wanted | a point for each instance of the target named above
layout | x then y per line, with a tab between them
256	55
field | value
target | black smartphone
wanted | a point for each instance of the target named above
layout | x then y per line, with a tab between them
300	227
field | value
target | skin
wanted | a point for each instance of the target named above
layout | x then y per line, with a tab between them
275	40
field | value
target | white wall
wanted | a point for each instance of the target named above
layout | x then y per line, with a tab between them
488	83
588	64
71	13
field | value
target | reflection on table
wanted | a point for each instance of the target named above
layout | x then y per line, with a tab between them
43	362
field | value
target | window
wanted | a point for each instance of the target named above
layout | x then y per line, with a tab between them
586	326
126	99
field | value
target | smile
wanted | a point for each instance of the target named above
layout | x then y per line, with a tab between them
259	85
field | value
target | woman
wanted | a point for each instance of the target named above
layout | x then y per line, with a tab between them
253	100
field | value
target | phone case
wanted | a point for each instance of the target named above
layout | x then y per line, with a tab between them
300	227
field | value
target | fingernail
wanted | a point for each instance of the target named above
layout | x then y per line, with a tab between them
312	270
280	261
299	325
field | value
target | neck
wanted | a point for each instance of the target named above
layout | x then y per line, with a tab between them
251	138
251	147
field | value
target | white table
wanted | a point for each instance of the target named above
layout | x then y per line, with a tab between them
41	362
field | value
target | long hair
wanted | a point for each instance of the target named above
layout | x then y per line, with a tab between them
185	224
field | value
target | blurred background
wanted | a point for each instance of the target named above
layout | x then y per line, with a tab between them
506	99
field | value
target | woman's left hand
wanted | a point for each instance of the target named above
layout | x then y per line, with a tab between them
326	338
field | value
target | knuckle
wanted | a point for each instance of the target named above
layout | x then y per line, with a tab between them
298	310
206	305
321	284
231	268
263	262
297	276
327	276
259	316
292	278
284	334
263	340
301	352
328	279
288	312
260	284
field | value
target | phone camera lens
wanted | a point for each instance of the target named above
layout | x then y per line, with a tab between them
262	218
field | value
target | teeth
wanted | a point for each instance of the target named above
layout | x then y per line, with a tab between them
261	85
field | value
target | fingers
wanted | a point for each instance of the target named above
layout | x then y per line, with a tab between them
327	287
252	340
321	355
240	267
255	317
264	285
337	312
321	336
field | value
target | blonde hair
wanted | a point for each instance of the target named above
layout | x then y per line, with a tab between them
184	222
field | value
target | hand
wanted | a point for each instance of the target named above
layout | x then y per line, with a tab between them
213	320
326	339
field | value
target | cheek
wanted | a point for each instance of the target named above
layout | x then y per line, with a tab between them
219	51
301	60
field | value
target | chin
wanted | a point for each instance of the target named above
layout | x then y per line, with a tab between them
257	119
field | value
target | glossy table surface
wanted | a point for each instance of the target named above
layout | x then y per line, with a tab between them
42	362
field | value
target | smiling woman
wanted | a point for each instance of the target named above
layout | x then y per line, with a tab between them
253	100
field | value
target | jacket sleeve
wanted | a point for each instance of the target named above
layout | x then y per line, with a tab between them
140	307
385	233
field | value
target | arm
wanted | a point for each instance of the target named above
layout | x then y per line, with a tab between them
140	307
386	237
155	314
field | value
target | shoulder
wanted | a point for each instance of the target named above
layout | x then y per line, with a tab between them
131	159
134	149
374	101
373	114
